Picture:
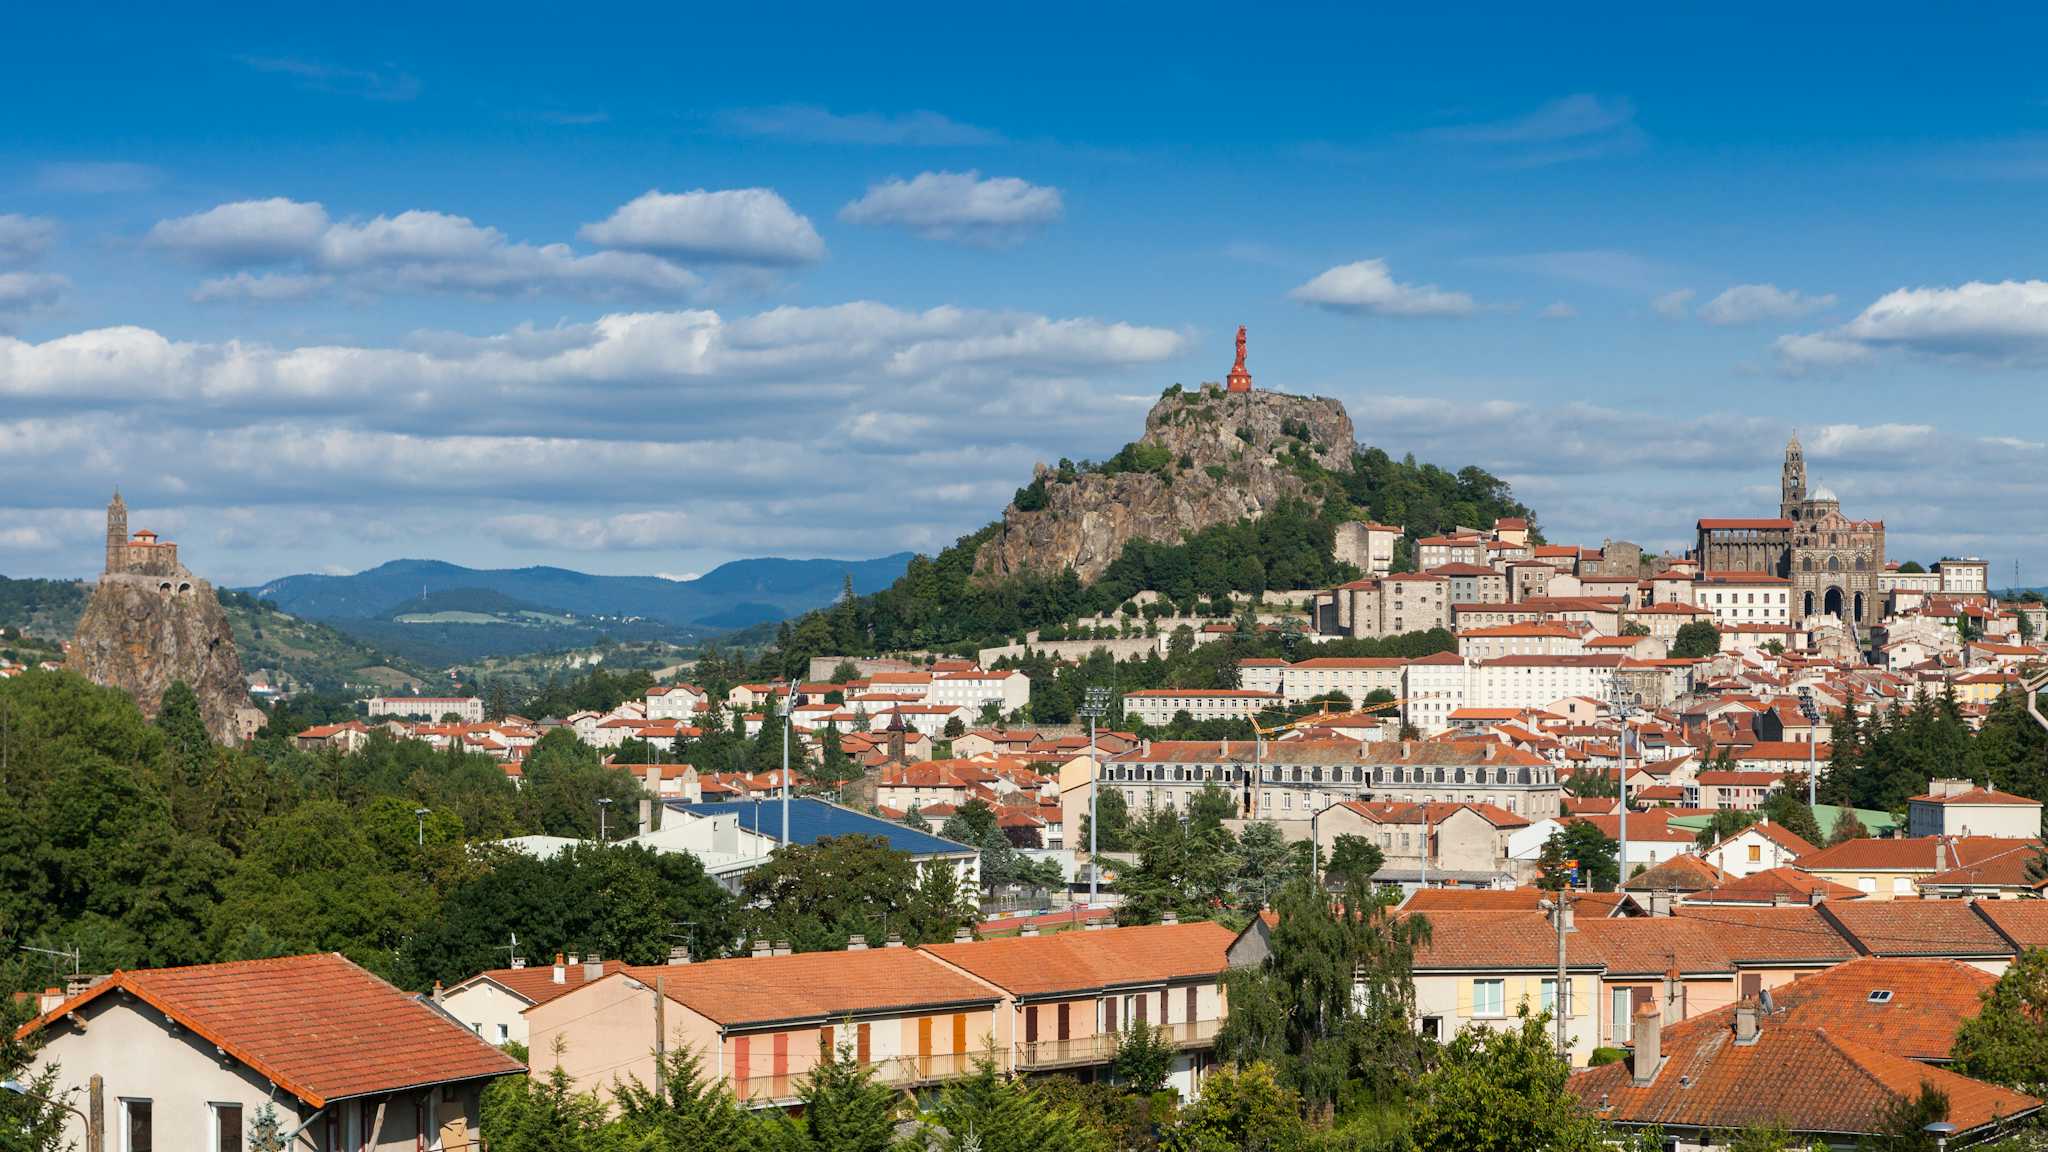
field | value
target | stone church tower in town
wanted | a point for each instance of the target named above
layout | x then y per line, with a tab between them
1830	560
151	623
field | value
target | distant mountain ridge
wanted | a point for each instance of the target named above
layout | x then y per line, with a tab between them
749	590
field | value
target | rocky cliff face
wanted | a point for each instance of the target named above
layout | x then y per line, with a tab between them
1207	457
142	633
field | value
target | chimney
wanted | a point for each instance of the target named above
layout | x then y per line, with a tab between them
439	994
856	943
593	968
1745	1023
1570	919
678	955
761	948
781	948
518	962
561	973
1649	1036
963	934
1777	898
1169	918
1814	898
574	960
895	940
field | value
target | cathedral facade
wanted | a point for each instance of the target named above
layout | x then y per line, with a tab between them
1831	561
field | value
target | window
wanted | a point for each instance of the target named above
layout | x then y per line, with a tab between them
1489	998
137	1122
1756	853
227	1127
1432	1027
1880	996
1866	883
1548	999
1902	886
1622	1022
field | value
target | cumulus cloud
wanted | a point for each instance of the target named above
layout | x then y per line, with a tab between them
622	530
22	292
25	239
814	125
411	251
739	225
1368	286
958	206
1673	304
245	232
2002	323
1749	303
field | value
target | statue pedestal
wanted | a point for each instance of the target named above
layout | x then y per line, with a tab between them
1239	380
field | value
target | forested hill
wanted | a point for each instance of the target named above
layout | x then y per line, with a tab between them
940	603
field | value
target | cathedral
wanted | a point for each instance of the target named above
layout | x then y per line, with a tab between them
1831	561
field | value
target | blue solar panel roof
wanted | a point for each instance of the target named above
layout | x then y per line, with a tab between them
812	819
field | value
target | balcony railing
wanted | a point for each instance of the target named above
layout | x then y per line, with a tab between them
1101	1048
902	1071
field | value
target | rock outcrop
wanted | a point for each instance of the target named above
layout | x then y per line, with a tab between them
151	623
1207	457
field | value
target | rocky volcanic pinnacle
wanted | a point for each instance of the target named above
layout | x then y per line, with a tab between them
139	637
1224	452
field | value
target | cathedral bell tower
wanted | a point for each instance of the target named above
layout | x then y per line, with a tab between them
1792	486
117	534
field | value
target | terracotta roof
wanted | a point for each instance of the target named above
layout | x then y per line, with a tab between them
1650	945
1977	796
1917	928
1684	872
1064	962
1742	522
1907	854
2007	869
1775	886
1762	937
317	1026
1503	938
536	985
1434	812
2024	922
753	990
1802	1076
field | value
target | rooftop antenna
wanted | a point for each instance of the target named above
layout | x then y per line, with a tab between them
70	954
511	950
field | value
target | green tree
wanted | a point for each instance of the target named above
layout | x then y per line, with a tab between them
1180	869
1210	807
1354	859
1694	640
1264	862
939	907
1847	827
1115	813
816	895
1502	1090
2007	1041
845	1109
1902	1126
1243	1106
1593	850
1785	808
521	1114
689	1112
1144	1056
989	1112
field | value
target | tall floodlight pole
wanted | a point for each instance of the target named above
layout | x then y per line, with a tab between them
1811	710
1624	702
1095	703
604	805
420	814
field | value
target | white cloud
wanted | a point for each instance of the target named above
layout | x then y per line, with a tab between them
1797	353
1748	303
96	178
1576	127
958	205
1673	304
28	291
245	232
1841	440
1367	286
411	251
1558	311
261	286
639	531
820	125
386	83
2002	323
740	225
24	239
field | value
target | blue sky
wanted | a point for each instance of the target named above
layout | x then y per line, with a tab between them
641	291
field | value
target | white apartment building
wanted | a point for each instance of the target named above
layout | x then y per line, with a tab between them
1744	597
1532	638
1435	688
1535	681
1963	575
1161	705
1355	676
466	709
974	689
1434	551
675	701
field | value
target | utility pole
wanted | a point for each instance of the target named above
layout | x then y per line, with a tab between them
1560	915
1811	711
604	805
1095	702
1624	703
661	1035
788	718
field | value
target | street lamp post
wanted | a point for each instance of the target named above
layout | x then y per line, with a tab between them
92	1129
1942	1131
1095	702
420	814
604	805
1625	707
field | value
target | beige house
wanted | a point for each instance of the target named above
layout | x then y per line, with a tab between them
1961	808
493	1004
187	1057
760	1023
1452	840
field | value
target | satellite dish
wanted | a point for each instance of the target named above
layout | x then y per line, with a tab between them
1764	997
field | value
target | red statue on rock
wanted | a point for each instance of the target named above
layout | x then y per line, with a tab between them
1239	379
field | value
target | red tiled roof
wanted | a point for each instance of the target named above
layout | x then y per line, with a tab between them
1684	872
1910	854
1917	928
814	985
1519	938
1792	935
1088	961
1712	522
2024	922
536	985
1650	945
1977	796
317	1026
1776	885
